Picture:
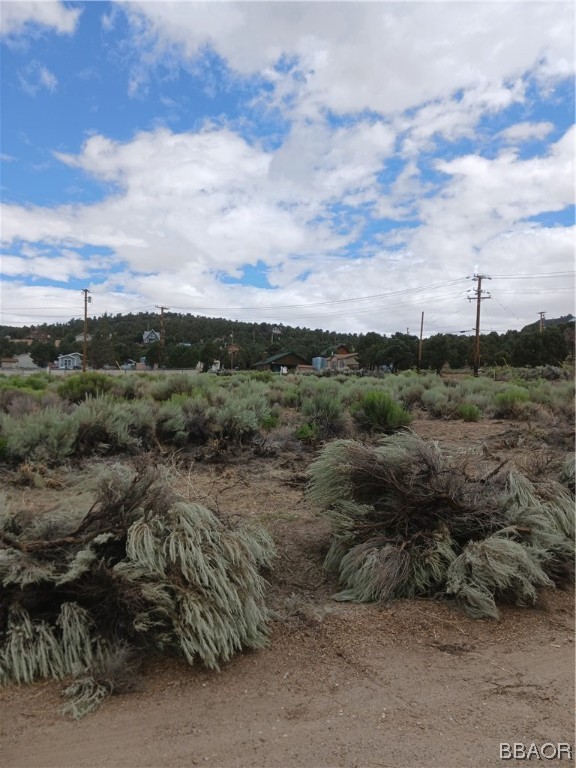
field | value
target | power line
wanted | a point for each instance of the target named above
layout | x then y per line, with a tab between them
570	273
403	292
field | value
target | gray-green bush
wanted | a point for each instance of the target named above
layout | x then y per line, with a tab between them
144	569
378	412
407	521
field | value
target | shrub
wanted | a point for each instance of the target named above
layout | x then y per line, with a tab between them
48	436
469	412
408	521
235	421
437	402
36	382
200	418
141	418
164	387
509	402
18	402
308	433
411	395
568	473
171	424
325	413
144	570
104	426
378	412
78	386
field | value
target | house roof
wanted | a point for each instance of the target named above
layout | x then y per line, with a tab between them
347	355
279	357
331	350
70	354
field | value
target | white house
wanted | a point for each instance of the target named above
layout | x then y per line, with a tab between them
70	362
25	361
150	337
80	337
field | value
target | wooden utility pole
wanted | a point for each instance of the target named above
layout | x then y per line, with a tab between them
542	317
232	349
420	343
162	338
87	300
479	297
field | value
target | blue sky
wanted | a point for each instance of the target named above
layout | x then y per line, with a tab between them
338	165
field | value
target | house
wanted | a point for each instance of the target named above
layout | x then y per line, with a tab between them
150	337
80	337
70	362
288	360
25	361
343	362
19	362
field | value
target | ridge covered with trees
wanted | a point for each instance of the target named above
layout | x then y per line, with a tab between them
191	339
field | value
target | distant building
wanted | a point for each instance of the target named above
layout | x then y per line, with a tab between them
20	362
80	337
343	362
25	361
288	360
70	362
150	337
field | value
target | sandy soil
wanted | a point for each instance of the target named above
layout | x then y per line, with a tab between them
413	684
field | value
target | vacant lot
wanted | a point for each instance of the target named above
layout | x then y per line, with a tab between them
407	684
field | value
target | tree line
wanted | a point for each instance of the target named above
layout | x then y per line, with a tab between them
191	339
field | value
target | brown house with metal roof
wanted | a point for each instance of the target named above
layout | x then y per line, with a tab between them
288	360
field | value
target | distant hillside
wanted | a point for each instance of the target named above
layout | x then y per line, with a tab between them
549	322
190	340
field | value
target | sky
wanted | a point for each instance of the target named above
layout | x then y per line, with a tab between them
337	165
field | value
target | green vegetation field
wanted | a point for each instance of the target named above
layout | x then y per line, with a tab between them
129	559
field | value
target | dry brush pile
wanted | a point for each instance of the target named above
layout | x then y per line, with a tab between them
144	570
407	521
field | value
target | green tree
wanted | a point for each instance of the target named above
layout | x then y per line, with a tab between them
435	352
101	349
180	356
43	353
533	348
400	352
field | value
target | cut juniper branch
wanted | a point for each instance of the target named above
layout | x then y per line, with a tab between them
144	567
405	496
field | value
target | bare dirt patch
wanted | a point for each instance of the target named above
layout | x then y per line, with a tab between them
408	684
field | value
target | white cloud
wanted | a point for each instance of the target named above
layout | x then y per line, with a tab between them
35	76
62	268
26	18
526	132
183	208
353	56
186	207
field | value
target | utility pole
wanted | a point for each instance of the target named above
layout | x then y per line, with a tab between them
420	343
232	349
480	295
87	300
161	308
542	317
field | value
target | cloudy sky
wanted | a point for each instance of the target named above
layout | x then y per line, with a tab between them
336	165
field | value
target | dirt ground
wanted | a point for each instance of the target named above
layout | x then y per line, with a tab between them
412	684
